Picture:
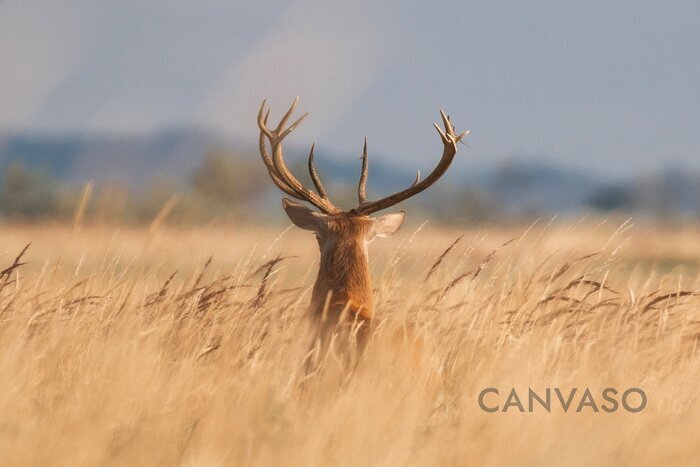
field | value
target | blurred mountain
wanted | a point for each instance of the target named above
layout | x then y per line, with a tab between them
665	193
521	186
532	186
132	159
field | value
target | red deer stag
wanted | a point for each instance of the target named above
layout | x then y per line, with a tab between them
343	290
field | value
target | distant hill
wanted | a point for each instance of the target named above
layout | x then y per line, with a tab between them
134	159
537	186
517	187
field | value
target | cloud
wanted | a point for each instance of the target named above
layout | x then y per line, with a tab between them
326	53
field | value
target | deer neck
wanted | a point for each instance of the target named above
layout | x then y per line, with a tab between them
344	279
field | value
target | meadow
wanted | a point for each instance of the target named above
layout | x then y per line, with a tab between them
186	346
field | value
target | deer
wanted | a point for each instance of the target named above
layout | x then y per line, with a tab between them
342	293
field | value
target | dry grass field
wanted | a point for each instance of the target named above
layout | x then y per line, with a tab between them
124	347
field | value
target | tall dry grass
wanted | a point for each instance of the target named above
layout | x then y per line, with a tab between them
187	348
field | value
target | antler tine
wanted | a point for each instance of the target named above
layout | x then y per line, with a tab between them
262	120
293	125
280	174
361	188
449	141
446	122
271	169
417	179
287	115
314	175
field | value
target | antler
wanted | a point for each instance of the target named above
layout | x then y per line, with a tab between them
280	174
361	196
449	141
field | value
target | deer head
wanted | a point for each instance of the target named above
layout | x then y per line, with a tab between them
343	281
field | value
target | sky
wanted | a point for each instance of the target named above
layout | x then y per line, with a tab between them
611	86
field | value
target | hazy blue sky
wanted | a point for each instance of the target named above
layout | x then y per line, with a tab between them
607	84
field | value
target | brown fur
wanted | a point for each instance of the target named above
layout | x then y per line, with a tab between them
342	302
343	278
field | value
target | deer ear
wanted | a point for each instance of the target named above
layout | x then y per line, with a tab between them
303	217
388	224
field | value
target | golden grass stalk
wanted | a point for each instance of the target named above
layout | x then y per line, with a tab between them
81	207
162	215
